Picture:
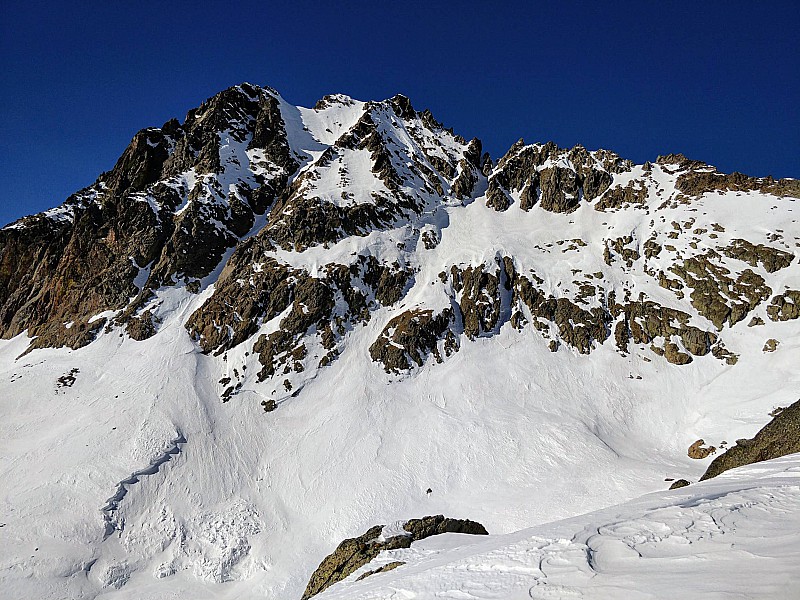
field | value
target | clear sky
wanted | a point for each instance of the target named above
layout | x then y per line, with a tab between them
718	81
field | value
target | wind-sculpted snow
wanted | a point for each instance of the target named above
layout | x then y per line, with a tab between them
731	538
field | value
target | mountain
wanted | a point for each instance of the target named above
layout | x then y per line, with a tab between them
269	328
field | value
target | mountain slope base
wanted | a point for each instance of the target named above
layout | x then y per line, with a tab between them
731	537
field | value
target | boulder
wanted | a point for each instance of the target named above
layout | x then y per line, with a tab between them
354	553
679	484
779	437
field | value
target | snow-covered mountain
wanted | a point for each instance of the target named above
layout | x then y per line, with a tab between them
269	328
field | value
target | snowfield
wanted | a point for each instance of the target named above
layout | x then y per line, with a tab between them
504	432
125	476
731	537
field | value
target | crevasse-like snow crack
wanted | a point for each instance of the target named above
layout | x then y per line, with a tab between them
112	504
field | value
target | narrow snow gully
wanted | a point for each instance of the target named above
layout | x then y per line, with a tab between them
123	487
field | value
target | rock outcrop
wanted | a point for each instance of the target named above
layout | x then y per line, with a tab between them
680	483
706	179
354	553
779	437
698	450
716	294
556	178
307	231
162	211
785	307
410	337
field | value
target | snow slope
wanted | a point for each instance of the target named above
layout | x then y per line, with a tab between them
505	433
136	480
731	537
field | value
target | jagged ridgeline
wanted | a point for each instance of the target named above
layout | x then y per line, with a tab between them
296	229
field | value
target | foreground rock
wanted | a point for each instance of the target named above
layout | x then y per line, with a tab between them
679	484
354	553
778	438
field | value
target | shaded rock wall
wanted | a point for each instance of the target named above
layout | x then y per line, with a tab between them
353	553
779	437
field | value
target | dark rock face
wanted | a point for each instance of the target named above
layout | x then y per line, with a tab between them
387	567
141	327
560	188
785	307
70	272
464	183
305	222
778	438
253	290
694	183
312	304
645	321
496	197
67	269
771	259
268	296
679	484
680	161
633	194
481	301
576	326
402	107
674	355
517	170
716	294
620	248
410	337
354	553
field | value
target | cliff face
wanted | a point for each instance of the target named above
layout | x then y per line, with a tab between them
176	200
306	222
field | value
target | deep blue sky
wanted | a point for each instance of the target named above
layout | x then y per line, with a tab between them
717	81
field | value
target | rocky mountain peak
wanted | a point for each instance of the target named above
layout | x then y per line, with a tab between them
304	224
